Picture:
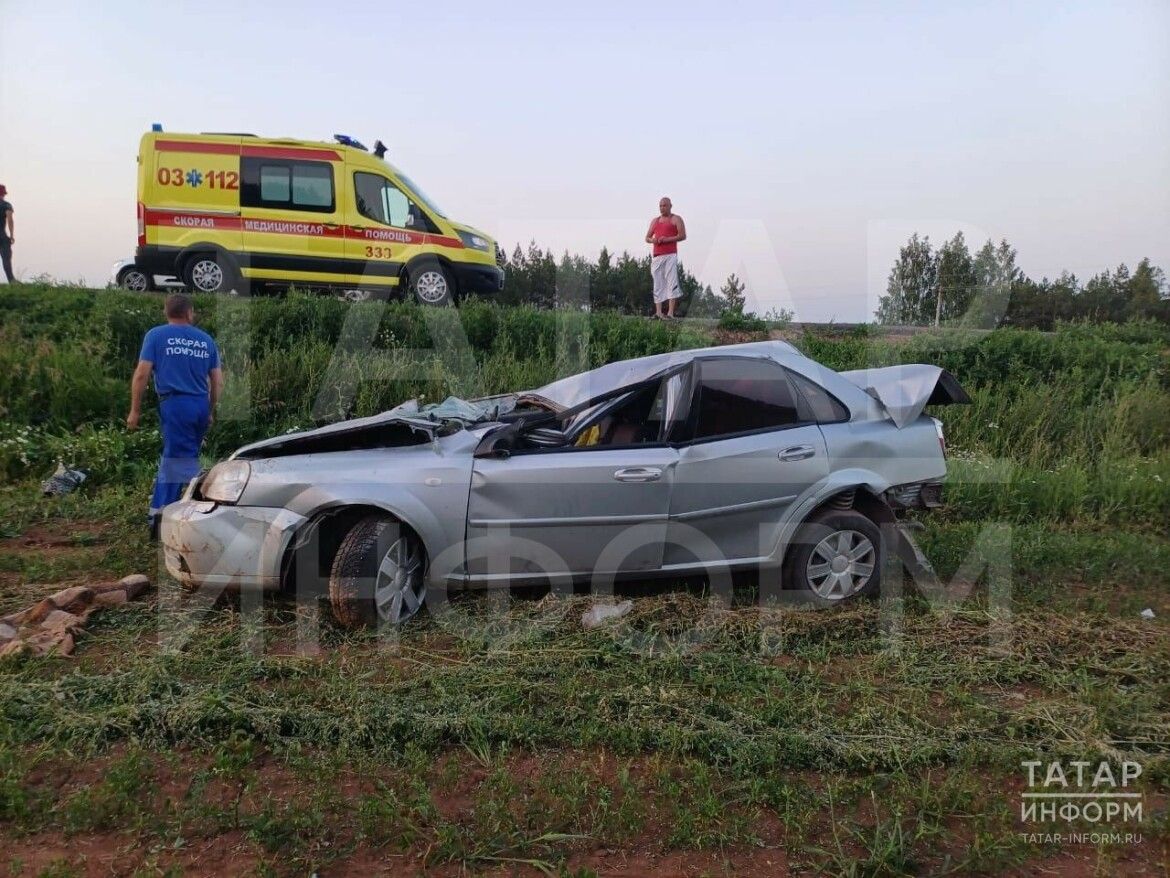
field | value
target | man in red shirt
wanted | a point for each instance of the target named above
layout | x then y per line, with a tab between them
665	231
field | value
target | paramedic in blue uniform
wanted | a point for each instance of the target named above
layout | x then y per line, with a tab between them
188	380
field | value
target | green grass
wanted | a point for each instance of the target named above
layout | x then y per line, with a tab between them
880	739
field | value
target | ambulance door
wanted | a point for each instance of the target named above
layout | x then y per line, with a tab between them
292	218
385	229
192	199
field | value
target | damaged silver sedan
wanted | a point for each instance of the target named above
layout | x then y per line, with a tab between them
698	462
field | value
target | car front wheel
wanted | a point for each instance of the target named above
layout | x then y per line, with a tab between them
135	279
837	556
378	575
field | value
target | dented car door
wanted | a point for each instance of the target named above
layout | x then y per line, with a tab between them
597	504
572	510
752	452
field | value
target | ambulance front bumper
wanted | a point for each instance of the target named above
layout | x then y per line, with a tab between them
479	279
237	547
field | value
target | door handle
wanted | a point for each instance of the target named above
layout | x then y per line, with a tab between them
638	474
797	452
331	225
358	228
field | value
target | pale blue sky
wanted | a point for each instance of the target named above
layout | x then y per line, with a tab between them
802	142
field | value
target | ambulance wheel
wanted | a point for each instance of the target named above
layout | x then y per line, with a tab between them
209	273
431	284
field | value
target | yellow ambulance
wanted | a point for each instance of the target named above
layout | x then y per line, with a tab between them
237	212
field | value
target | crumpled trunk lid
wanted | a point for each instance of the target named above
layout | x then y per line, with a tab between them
904	391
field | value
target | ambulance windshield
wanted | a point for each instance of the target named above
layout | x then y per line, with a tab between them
413	187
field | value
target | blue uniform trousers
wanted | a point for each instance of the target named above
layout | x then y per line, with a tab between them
184	418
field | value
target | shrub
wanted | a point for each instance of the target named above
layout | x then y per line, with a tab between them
737	321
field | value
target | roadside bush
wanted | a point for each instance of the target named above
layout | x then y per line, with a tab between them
106	454
61	383
737	321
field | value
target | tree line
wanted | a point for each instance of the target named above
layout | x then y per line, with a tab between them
947	285
951	286
617	283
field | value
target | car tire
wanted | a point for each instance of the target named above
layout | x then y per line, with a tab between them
379	574
209	273
837	556
431	284
135	280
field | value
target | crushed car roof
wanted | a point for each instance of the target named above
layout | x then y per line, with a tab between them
577	389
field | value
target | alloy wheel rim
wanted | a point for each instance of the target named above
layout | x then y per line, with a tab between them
135	281
207	275
356	295
431	286
400	589
841	564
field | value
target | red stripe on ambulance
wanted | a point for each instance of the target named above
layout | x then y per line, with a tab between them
218	222
186	220
262	152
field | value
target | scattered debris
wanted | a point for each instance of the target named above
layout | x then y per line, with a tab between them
63	481
1147	613
53	624
600	613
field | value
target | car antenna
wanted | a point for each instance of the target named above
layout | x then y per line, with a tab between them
379	149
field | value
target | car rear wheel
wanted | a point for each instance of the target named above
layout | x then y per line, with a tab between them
208	273
135	279
378	575
837	556
431	284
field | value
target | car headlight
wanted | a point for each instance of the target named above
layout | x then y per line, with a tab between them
225	483
474	241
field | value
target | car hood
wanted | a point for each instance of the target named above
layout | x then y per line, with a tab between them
404	425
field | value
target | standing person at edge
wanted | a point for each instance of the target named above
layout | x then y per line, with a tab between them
188	380
665	231
7	234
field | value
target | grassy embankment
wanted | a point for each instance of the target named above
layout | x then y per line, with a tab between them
506	737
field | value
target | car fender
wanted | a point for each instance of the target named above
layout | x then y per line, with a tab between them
406	507
423	258
835	483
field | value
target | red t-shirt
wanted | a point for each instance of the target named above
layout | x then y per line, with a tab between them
664	226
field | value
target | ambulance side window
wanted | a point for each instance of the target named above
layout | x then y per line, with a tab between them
275	184
286	185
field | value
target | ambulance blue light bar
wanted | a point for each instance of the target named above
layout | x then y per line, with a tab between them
346	140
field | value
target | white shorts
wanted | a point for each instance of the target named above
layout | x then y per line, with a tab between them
664	270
